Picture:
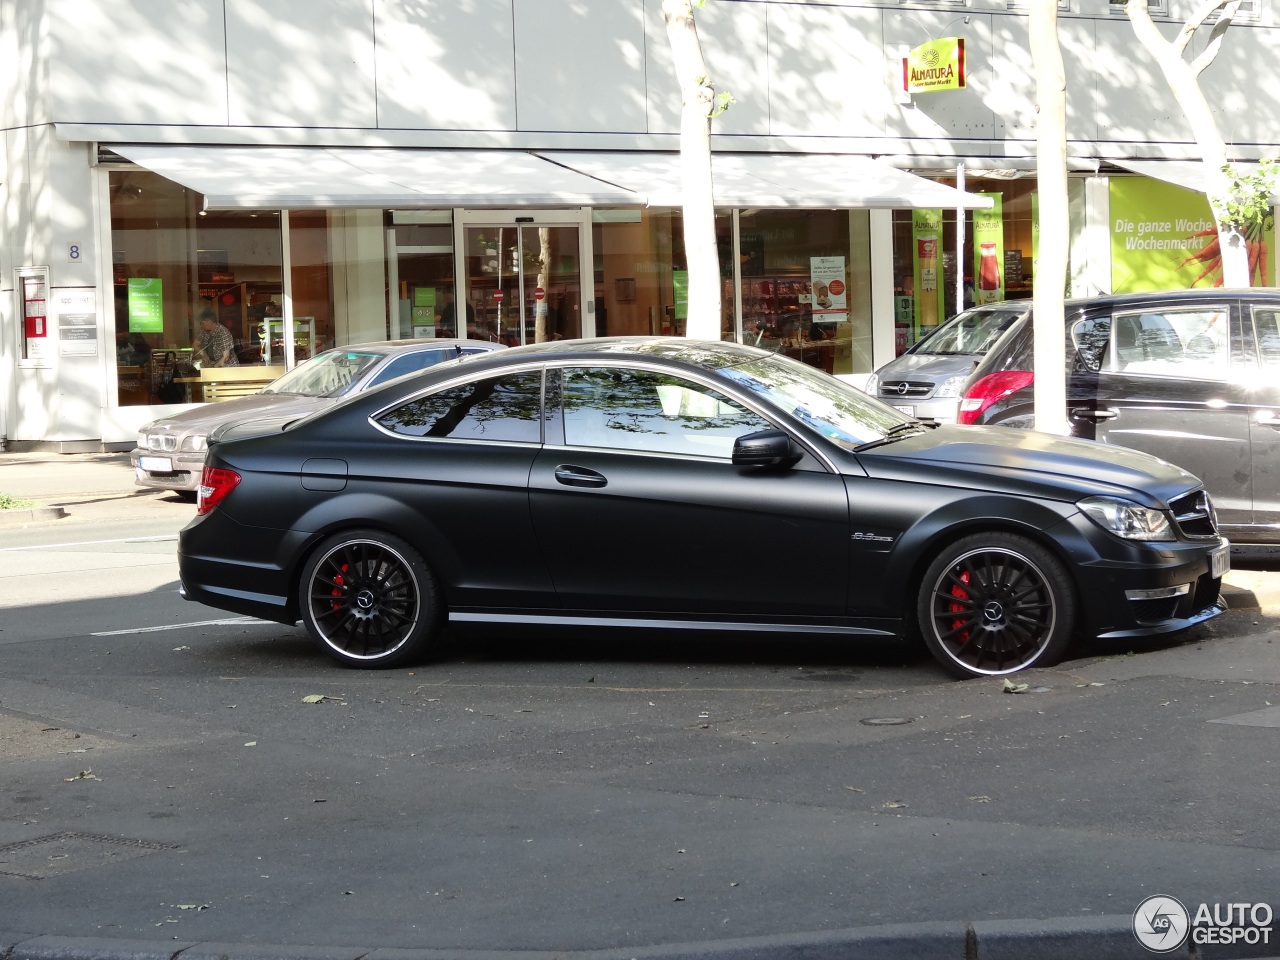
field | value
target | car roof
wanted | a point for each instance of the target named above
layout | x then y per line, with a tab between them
389	347
1184	295
712	354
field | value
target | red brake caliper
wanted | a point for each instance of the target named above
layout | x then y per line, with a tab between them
337	590
960	593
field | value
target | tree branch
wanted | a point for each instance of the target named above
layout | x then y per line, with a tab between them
1215	37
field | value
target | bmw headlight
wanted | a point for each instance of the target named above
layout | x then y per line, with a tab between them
951	387
195	443
872	386
1127	519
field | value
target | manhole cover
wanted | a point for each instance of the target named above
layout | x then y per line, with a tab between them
61	853
885	721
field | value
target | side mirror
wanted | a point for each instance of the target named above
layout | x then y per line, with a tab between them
767	448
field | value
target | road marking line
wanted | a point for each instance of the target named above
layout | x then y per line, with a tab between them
179	626
91	543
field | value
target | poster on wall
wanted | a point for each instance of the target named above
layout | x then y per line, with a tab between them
988	252
146	305
926	234
423	312
1163	238
680	291
826	281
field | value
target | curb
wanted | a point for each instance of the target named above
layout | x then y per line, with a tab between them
24	515
1060	938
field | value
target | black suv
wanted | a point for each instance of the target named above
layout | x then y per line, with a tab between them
1192	376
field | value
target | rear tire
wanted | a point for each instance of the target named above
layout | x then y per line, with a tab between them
369	600
992	604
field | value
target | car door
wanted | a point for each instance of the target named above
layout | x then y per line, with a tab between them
1167	383
1262	327
642	511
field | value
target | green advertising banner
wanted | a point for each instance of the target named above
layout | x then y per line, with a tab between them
988	252
926	255
680	282
1163	238
424	312
146	305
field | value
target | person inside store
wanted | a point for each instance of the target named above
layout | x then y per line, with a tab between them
214	346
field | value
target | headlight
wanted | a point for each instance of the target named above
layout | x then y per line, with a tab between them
872	387
950	387
194	443
142	439
1127	519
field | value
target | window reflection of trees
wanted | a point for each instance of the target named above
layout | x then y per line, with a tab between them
498	408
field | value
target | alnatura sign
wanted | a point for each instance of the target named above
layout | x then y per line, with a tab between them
936	65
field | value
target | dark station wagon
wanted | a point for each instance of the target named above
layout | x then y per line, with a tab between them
1190	376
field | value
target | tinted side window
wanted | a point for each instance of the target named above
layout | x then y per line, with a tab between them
411	363
1192	344
506	408
1266	327
641	410
1091	338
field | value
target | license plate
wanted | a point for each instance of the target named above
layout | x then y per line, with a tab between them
156	464
1220	562
910	411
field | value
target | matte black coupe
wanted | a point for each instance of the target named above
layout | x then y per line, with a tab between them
668	483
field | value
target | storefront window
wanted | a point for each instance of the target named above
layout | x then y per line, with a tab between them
421	267
995	265
176	266
641	274
806	286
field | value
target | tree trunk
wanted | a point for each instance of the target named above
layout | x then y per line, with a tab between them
697	98
1048	318
544	284
1183	80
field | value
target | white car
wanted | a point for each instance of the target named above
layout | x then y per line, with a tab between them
170	451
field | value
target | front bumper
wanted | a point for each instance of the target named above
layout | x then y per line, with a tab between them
170	470
1120	585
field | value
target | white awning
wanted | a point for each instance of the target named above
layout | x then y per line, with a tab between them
1188	174
774	180
299	177
308	177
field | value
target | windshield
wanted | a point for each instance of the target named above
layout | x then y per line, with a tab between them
326	375
841	413
971	332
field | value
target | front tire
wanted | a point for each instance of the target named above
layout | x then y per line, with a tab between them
369	600
992	604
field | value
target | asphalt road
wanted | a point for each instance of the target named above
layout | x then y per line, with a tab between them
163	777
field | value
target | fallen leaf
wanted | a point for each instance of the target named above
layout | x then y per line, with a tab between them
252	743
856	789
894	805
83	775
1011	687
980	799
313	698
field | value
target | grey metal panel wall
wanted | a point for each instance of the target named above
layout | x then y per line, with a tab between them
300	63
580	66
446	66
735	44
141	61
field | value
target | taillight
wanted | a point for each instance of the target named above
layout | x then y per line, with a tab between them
215	484
992	387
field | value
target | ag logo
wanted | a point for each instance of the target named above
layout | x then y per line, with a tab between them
1160	923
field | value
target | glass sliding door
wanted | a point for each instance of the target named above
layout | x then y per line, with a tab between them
523	281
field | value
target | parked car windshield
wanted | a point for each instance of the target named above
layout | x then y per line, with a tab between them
841	413
971	332
326	375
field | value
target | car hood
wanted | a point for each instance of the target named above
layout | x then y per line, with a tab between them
203	419
926	366
1000	459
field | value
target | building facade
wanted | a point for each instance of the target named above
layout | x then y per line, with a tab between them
315	173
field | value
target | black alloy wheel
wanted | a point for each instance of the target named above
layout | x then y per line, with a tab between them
369	599
996	603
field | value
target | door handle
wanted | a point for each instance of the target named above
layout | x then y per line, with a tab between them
1099	414
572	476
1267	418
